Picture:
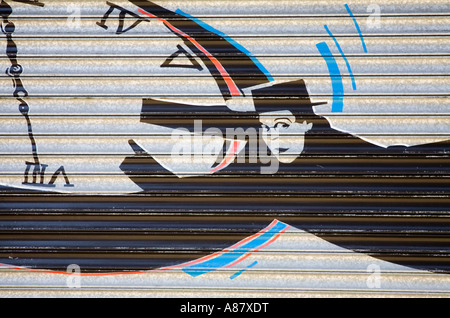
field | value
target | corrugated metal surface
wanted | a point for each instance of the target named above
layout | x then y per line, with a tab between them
108	169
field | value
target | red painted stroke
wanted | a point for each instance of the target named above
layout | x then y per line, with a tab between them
234	90
231	248
235	246
230	156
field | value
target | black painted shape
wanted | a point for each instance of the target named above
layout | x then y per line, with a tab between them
122	15
209	115
32	2
55	176
243	71
327	151
194	64
292	96
346	220
16	70
136	148
102	22
38	169
155	9
5	11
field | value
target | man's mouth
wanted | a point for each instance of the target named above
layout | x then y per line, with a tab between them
282	150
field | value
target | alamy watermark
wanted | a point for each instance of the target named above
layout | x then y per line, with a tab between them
374	19
74	19
244	146
374	279
74	278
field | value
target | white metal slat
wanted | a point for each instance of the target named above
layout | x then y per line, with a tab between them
262	47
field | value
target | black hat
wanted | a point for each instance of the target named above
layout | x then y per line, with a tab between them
292	96
177	115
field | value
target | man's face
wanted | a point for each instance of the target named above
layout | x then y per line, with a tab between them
283	135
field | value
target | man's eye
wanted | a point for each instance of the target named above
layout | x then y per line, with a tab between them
281	125
265	128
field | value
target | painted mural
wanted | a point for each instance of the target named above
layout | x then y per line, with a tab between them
214	121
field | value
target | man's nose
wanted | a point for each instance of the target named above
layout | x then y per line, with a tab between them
273	133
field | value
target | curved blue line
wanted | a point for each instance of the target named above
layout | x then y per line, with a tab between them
231	256
243	270
357	27
232	42
343	56
336	78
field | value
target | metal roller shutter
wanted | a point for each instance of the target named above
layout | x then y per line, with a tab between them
224	148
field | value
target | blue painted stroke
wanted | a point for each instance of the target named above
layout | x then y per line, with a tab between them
336	78
243	270
357	27
343	56
233	255
232	42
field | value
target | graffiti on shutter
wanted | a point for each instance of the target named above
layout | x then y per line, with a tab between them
154	137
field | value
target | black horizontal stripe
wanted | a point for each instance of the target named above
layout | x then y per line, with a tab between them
105	242
275	204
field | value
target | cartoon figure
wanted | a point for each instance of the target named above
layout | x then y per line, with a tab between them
299	142
281	113
290	138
